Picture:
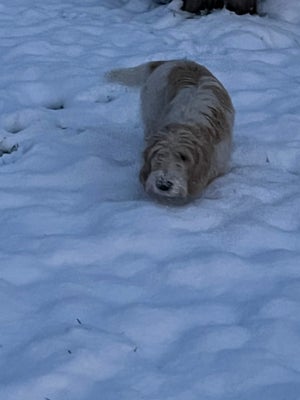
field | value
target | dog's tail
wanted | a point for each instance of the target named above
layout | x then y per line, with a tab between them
134	76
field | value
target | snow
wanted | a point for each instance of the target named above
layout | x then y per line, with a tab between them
105	294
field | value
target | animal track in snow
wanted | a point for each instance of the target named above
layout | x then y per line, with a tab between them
18	121
6	148
38	118
56	105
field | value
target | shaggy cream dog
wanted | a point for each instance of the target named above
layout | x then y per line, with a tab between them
188	119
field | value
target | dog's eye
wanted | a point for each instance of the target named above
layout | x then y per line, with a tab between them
183	157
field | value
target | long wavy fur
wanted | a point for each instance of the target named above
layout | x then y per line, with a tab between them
188	115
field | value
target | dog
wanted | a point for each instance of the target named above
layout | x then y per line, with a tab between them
188	120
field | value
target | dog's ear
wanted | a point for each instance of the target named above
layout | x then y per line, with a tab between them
146	168
144	172
199	170
148	155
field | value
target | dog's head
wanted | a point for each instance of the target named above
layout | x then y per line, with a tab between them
172	167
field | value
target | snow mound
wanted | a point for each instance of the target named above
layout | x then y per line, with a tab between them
105	294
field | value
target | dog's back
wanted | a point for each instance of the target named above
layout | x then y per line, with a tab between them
176	91
184	92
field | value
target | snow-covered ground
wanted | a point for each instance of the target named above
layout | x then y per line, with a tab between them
103	293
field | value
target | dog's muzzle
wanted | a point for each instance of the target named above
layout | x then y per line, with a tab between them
165	185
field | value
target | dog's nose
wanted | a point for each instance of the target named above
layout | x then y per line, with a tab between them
164	185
